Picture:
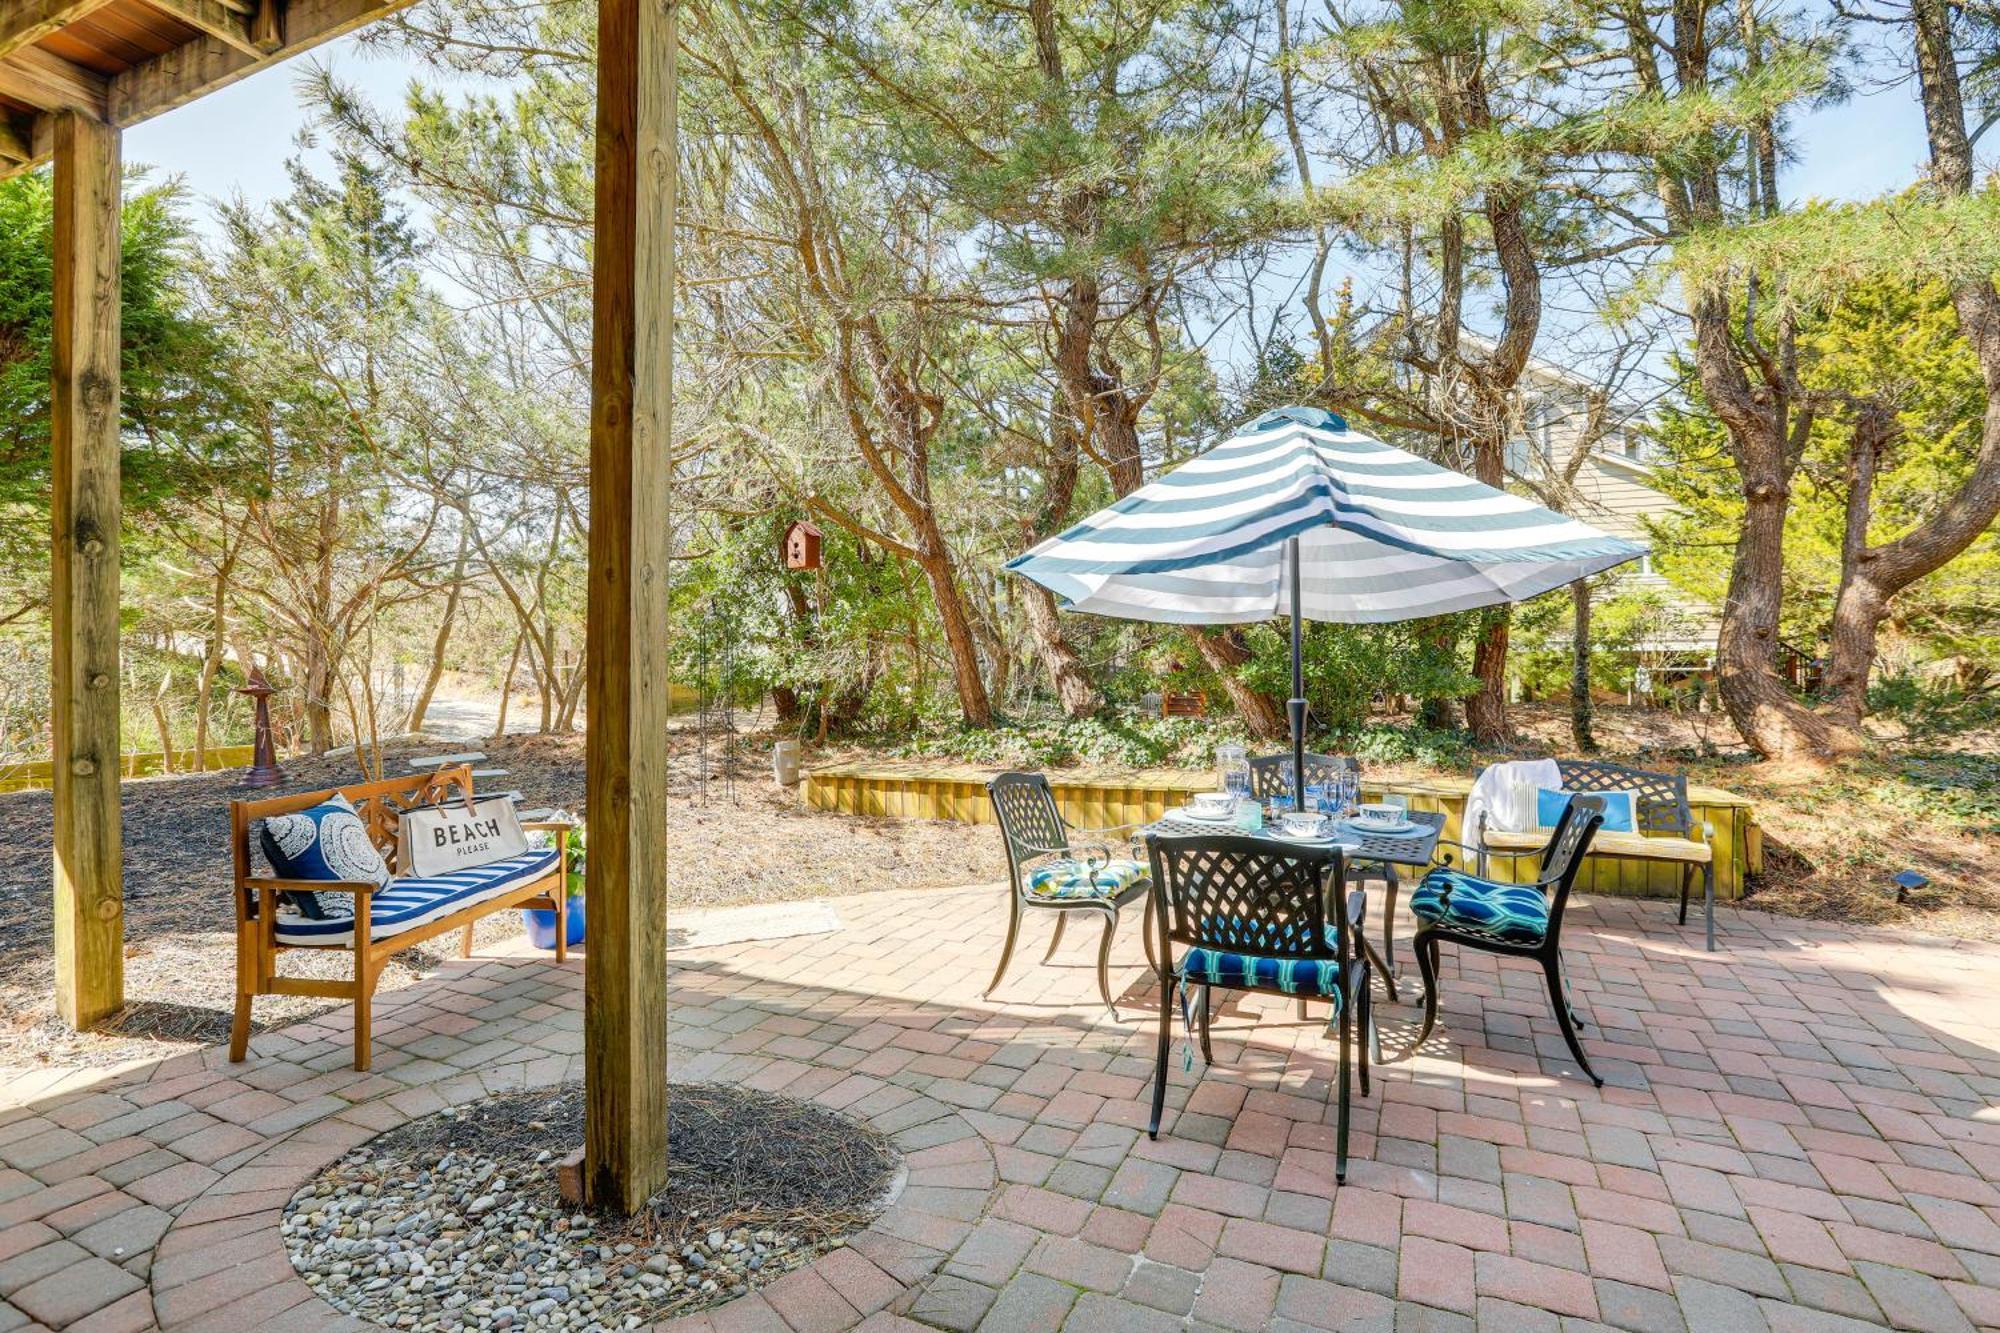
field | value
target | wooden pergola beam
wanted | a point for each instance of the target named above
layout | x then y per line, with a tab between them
17	139
47	81
189	72
28	21
83	588
220	21
631	466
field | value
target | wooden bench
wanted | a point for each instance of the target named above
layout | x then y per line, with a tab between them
1663	827
380	806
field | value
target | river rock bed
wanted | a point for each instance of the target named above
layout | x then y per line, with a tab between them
455	1221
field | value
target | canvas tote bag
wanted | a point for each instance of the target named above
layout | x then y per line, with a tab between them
458	835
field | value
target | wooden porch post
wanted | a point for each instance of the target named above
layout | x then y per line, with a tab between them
625	972
83	592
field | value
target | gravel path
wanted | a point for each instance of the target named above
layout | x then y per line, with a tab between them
755	845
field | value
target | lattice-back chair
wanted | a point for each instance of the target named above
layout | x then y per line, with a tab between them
1252	914
1520	920
1271	774
1049	869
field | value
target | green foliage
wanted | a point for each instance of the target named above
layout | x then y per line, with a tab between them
1349	668
1945	787
1142	741
1884	339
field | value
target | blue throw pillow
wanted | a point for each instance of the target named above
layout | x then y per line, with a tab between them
1618	808
328	841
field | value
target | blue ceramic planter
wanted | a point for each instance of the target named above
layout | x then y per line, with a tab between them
541	924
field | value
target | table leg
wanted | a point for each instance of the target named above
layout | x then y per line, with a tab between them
1391	885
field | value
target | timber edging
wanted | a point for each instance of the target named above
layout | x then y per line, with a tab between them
1112	797
135	764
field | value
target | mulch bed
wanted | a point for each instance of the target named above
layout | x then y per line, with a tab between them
745	842
455	1219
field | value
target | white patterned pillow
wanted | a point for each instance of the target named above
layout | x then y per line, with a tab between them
328	841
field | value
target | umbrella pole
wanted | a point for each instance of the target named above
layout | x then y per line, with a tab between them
1296	705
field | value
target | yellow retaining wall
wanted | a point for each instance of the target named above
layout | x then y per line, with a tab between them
1107	798
139	764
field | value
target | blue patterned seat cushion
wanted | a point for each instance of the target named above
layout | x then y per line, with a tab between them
418	900
1514	913
1073	879
1218	967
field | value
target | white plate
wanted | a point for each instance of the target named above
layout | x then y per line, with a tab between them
1310	840
1189	812
1403	829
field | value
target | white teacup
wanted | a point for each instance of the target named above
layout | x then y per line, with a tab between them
1213	803
1303	825
1381	813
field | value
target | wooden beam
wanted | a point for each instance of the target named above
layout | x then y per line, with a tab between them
25	22
54	84
83	590
214	18
631	462
17	138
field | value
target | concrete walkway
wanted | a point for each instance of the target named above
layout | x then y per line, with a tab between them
1802	1132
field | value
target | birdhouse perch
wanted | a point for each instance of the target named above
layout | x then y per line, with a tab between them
802	546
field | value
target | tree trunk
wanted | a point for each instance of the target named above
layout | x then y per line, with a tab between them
441	642
1067	677
1486	708
1262	715
1580	706
211	662
958	635
507	687
1776	725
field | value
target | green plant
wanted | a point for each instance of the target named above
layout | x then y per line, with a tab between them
575	843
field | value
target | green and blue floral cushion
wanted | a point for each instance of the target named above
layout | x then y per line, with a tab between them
1068	878
1512	913
1241	971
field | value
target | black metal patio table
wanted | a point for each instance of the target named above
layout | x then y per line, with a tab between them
1387	850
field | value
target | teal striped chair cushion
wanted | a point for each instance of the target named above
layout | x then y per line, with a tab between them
1075	879
1293	976
1454	900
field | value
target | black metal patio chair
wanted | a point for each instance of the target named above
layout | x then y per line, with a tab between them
1517	920
1253	915
1271	774
1048	869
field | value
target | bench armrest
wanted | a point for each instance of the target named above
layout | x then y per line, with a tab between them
358	887
550	825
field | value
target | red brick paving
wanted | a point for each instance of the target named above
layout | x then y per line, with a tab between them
1799	1132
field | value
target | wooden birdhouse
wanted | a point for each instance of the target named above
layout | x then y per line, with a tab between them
802	546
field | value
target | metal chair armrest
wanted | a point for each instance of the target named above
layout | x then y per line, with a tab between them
1471	851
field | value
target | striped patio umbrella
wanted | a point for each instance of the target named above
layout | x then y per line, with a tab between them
1298	514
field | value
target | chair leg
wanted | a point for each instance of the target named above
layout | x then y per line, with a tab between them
1364	1017
1160	1064
1426	949
1104	960
1708	900
1391	885
1146	929
1687	882
1559	1001
1304	1016
364	994
1013	933
1055	940
247	974
1207	1055
1340	1127
561	897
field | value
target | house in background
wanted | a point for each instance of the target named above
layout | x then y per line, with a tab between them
1598	465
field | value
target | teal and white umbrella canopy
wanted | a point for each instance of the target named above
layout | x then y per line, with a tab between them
1383	535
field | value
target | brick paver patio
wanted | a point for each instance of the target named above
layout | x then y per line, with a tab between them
1800	1132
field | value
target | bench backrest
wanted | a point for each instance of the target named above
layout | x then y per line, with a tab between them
1660	800
379	804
